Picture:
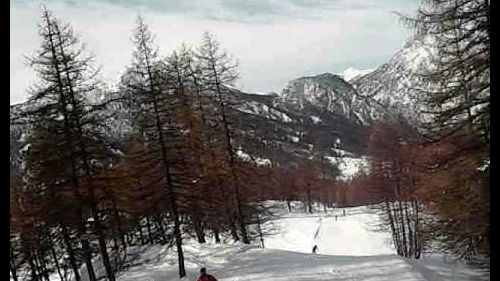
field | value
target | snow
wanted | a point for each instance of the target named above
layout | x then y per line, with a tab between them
349	166
353	235
264	93
253	107
316	119
351	73
349	248
247	157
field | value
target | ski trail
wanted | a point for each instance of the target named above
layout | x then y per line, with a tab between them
316	234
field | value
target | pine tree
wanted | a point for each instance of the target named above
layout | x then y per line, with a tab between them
459	31
458	106
393	183
66	118
157	126
218	74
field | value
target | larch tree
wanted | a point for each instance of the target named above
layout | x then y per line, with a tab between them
65	107
153	97
392	182
457	107
218	75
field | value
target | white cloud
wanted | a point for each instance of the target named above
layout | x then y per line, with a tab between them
272	48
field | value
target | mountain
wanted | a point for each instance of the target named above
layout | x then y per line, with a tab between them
326	93
352	73
323	112
280	127
273	126
392	87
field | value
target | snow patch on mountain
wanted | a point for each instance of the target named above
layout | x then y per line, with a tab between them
326	92
393	86
316	119
257	108
349	166
351	73
257	160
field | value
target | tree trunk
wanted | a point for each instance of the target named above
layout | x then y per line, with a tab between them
261	235
200	235
43	272
178	241
110	273
159	224
393	227
244	234
54	255
216	236
121	232
141	234
403	230
70	251
234	233
309	201
13	272
411	246
87	254
33	269
150	235
417	234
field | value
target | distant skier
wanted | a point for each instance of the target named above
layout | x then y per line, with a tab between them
335	217
315	249
343	212
204	276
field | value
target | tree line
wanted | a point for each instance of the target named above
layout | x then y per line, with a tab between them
432	178
81	192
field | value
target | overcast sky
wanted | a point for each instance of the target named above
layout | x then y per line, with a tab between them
274	40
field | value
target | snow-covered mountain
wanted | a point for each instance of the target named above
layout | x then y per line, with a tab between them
275	129
323	110
328	93
352	73
392	86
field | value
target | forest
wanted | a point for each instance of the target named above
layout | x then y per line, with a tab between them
177	170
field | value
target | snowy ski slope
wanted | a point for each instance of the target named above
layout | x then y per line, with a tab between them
350	249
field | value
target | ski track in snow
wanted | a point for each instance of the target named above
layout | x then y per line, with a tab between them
348	249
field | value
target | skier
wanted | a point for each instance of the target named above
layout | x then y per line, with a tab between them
204	276
343	212
315	249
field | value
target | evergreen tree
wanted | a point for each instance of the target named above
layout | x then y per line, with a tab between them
70	127
151	93
218	75
458	106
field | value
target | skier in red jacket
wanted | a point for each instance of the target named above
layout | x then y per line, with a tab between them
204	276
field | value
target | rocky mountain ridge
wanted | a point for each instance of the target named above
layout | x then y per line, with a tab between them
323	111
